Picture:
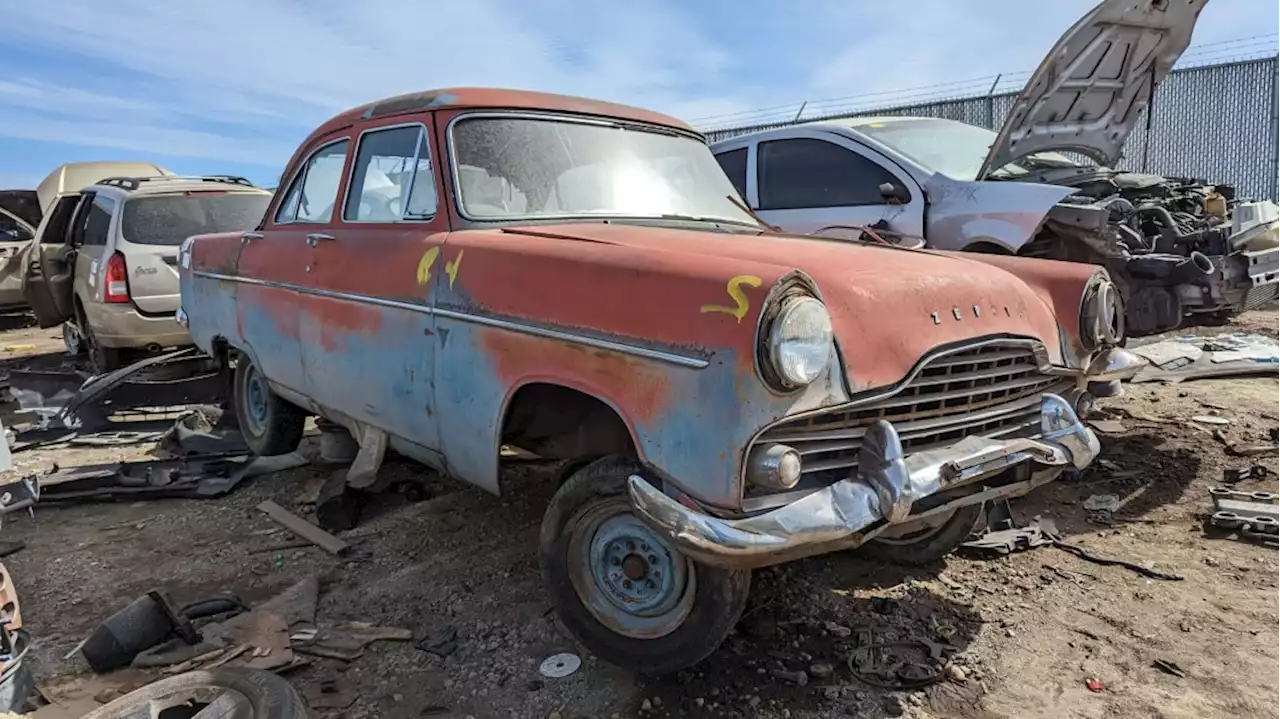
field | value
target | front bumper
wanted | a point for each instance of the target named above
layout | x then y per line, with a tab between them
888	488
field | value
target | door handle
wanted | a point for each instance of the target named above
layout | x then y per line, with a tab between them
316	238
247	237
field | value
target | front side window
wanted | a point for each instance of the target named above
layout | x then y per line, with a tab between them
734	164
805	173
392	165
97	224
524	167
315	189
170	219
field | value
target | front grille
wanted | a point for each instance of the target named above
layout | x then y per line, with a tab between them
993	390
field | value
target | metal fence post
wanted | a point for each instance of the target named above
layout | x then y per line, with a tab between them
1275	128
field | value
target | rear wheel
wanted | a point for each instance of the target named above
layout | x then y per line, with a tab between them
621	588
919	545
101	359
270	425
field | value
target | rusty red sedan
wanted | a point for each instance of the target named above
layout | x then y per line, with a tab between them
450	272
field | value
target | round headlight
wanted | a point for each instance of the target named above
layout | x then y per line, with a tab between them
1102	316
800	341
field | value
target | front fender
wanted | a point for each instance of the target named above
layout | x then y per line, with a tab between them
1007	214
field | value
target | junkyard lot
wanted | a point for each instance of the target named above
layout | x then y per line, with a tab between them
1031	629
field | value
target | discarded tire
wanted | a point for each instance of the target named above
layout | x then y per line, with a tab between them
229	693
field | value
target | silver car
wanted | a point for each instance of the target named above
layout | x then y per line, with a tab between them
104	262
1180	250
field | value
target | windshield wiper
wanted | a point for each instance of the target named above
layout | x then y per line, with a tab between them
704	218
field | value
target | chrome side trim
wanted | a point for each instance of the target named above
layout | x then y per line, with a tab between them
485	320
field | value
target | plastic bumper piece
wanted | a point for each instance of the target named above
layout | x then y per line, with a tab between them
885	488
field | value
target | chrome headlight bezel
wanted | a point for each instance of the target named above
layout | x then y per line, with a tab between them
783	363
1101	315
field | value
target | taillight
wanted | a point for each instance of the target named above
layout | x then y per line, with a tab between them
117	283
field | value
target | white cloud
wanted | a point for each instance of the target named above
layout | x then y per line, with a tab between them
244	80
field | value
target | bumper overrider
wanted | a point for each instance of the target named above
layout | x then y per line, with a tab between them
888	487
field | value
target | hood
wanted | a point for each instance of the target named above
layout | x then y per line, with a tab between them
75	176
889	306
1090	89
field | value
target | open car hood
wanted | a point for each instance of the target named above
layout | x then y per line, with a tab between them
1089	90
75	176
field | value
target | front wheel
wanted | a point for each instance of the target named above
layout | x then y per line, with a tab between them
917	545
270	425
621	588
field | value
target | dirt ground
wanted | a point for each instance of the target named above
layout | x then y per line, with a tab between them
1030	630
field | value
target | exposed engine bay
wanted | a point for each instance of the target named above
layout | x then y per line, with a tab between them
1181	250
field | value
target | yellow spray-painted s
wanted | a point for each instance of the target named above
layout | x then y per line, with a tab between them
734	288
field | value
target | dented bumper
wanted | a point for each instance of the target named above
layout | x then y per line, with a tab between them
888	488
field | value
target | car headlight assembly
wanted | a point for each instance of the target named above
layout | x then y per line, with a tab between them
1102	316
800	343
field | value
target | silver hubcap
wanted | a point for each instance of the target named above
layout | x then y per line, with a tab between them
630	579
71	338
208	702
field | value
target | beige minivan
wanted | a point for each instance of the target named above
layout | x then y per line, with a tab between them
104	262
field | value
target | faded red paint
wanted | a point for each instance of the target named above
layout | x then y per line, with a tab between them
338	320
637	388
278	305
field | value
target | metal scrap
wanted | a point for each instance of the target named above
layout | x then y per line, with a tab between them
1253	515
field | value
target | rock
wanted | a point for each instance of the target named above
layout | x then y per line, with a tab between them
837	630
699	702
555	715
646	705
894	706
799	678
754	701
956	673
657	701
821	671
831	693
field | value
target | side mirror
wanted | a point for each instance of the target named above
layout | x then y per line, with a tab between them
894	193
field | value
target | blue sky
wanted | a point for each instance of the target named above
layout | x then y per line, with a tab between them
232	86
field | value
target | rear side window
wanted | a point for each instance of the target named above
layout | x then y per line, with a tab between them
170	219
734	164
315	189
804	173
392	165
97	225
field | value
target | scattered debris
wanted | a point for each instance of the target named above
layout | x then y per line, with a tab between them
1256	471
1169	667
303	528
1038	532
228	692
1094	685
873	665
1108	503
559	666
205	430
346	641
1108	426
1253	515
1210	419
1192	357
331	693
146	622
442	642
1088	556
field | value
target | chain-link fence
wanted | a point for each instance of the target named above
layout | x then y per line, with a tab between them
1216	122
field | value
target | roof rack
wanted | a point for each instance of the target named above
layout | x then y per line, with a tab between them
133	183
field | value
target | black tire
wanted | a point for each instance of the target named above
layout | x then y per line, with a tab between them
931	545
270	696
710	608
270	425
101	359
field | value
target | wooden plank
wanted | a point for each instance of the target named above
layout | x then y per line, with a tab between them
303	528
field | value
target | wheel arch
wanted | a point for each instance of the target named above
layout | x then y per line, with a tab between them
562	420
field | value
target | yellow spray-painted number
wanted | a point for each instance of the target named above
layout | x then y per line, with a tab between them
451	268
734	288
426	263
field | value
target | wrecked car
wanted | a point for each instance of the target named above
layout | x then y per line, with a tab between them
17	683
104	261
1181	251
19	217
451	272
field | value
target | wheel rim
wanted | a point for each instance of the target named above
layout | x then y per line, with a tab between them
71	339
207	702
256	399
631	579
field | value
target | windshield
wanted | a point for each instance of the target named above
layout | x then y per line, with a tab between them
525	168
955	149
170	219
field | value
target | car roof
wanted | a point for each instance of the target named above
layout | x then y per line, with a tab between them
470	98
141	186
